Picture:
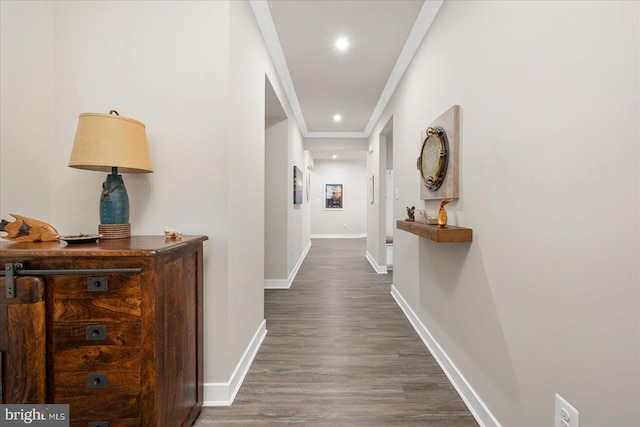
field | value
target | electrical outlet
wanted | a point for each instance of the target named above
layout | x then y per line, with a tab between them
565	415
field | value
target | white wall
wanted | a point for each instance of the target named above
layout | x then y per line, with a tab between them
328	222
26	109
298	218
287	225
390	224
277	200
546	297
194	73
249	61
378	212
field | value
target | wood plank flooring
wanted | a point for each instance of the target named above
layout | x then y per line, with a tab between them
340	352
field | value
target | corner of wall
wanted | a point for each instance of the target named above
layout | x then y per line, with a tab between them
223	394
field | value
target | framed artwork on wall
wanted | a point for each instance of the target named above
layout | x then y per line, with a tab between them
333	196
298	185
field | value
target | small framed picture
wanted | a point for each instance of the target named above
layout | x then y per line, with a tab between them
297	185
333	196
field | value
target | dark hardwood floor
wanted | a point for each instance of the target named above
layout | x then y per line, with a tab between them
340	352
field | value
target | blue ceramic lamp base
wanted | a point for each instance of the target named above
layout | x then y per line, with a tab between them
114	208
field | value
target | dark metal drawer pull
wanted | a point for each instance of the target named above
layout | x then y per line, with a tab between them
96	333
96	381
97	284
98	424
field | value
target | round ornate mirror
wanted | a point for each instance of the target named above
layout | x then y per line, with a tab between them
433	158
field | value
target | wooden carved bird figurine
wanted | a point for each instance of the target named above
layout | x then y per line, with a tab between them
442	213
28	230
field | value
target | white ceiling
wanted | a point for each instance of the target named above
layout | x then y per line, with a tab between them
339	155
321	81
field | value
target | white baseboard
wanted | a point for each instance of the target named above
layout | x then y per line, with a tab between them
338	236
478	409
380	269
286	283
222	394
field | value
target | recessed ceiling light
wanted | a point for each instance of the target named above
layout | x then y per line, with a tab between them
342	44
337	117
334	156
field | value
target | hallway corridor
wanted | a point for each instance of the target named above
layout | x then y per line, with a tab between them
340	352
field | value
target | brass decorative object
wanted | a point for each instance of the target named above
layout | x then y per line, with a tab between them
434	157
439	159
442	213
28	230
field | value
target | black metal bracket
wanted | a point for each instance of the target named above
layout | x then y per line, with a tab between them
17	269
10	271
8	280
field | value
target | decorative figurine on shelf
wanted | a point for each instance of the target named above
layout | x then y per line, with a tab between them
411	212
28	230
170	233
442	213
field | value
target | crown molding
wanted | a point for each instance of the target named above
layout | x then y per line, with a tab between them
423	22
265	23
336	135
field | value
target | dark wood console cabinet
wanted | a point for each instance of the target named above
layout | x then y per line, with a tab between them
123	321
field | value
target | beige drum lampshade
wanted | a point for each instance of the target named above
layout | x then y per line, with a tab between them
104	141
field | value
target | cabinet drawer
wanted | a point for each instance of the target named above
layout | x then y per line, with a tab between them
106	346
119	396
96	299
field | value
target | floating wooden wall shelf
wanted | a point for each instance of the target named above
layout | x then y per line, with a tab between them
434	232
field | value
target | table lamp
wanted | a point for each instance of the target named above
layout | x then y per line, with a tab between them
108	143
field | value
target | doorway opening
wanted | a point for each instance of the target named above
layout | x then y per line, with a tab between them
275	186
387	193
